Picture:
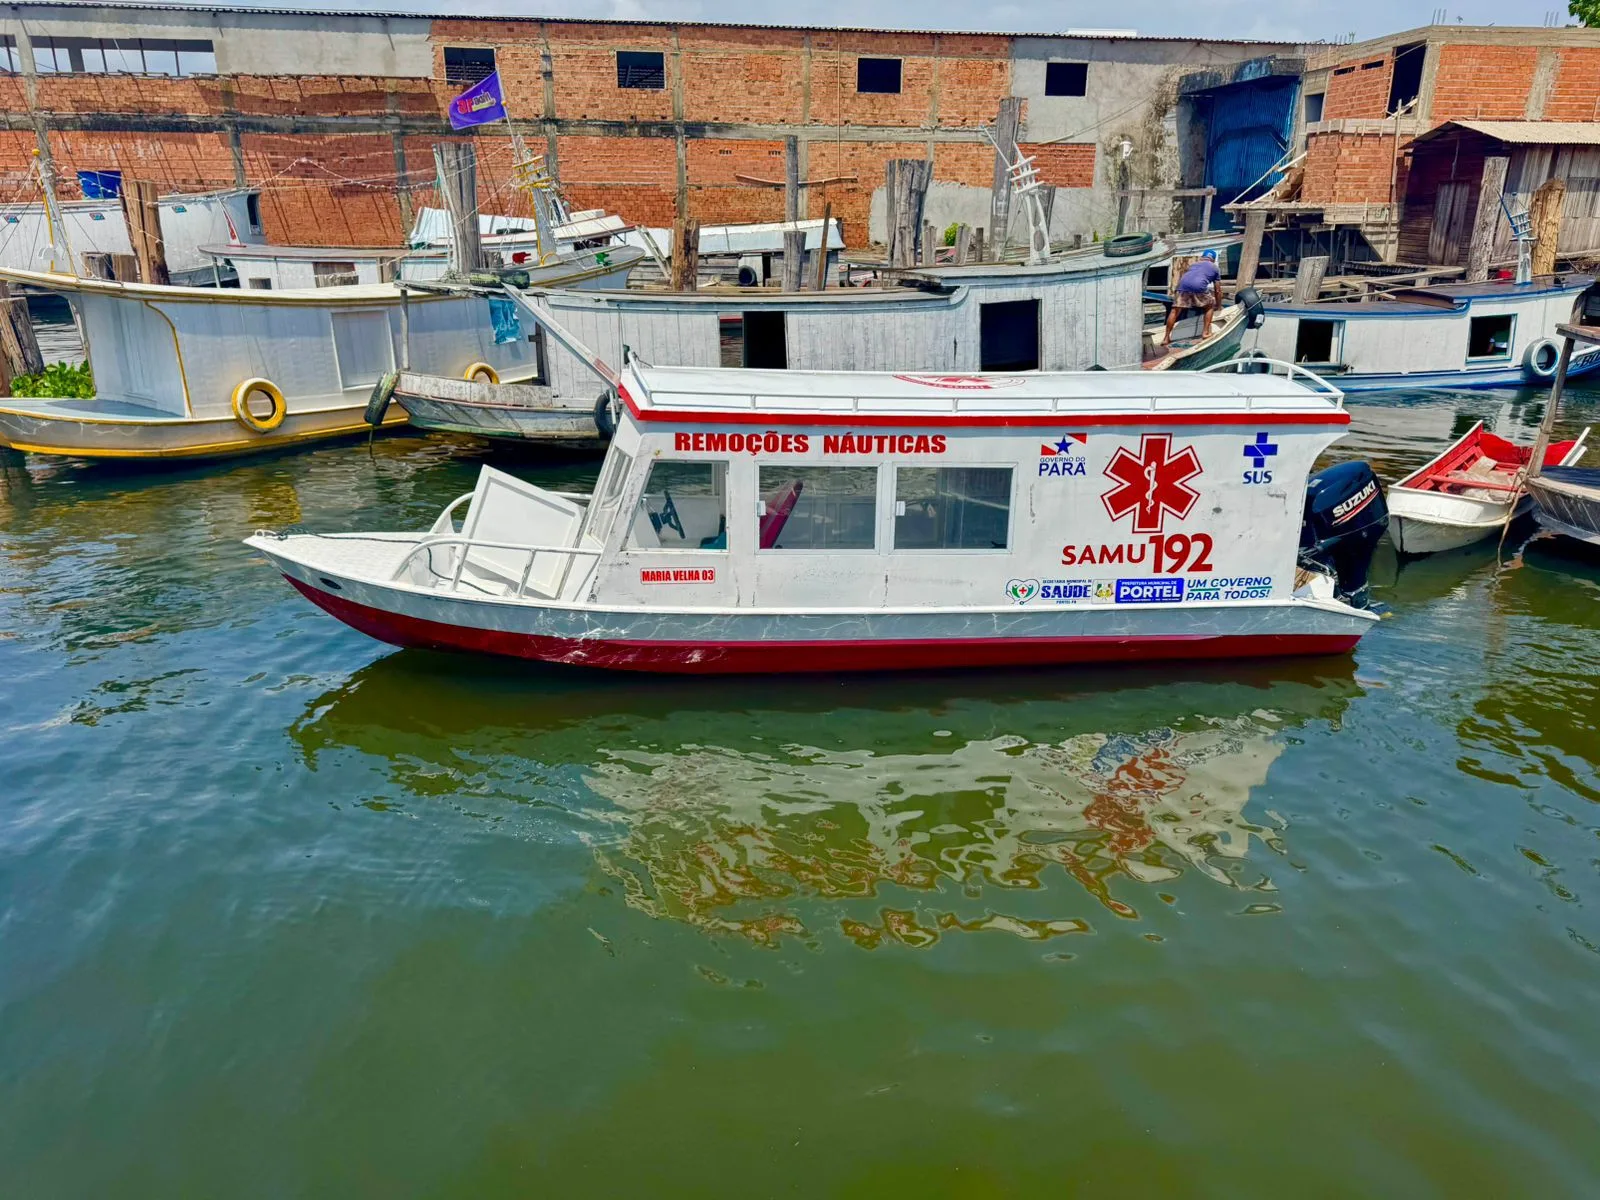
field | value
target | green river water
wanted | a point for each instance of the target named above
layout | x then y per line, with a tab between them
285	912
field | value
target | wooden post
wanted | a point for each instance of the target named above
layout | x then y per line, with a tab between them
929	248
1488	218
1308	279
963	245
1005	137
1547	209
1255	229
821	281
791	178
685	255
977	245
1205	210
18	345
794	259
906	189
457	167
1541	441
140	204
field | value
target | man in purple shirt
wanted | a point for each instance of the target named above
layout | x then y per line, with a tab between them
1199	287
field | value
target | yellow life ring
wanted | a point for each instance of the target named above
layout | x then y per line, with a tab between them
481	370
241	405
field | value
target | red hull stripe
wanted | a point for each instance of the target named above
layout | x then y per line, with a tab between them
726	658
979	420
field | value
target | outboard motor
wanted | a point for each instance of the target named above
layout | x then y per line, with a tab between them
1344	518
1255	308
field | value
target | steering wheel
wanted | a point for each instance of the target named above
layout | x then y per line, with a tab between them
669	514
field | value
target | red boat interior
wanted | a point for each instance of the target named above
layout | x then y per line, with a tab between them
1485	461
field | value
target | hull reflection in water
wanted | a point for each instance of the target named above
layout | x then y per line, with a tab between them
1014	804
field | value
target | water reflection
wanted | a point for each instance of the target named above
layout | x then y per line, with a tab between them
773	810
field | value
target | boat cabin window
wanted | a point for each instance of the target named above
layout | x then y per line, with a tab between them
1008	336
259	281
817	508
952	508
684	507
1489	338
334	274
607	497
252	211
1318	341
753	339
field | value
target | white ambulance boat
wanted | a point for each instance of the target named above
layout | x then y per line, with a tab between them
750	520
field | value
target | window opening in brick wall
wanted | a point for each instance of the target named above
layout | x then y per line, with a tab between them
10	64
1008	336
877	75
1314	107
121	56
1344	70
1066	79
1406	82
643	69
467	65
334	274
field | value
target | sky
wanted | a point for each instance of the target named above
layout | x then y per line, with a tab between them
1273	20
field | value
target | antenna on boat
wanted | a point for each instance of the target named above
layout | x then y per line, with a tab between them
1025	183
52	213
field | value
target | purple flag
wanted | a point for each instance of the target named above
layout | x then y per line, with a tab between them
479	104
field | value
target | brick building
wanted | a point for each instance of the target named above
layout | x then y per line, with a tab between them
1372	122
333	115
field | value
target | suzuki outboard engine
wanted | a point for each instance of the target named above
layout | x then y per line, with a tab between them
1345	516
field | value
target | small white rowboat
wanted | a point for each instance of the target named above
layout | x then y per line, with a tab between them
1467	493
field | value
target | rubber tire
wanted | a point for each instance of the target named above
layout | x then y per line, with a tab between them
241	410
382	396
1127	245
472	373
1530	360
603	420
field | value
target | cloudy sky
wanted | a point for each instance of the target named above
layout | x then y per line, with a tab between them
1273	20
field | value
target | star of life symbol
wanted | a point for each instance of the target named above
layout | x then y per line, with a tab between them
1152	483
1259	451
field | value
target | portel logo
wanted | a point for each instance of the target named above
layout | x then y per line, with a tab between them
1022	590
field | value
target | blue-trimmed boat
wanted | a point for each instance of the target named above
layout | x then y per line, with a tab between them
1455	335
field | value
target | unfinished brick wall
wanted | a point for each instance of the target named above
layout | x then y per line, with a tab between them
1065	164
1576	94
1358	88
1352	168
1483	82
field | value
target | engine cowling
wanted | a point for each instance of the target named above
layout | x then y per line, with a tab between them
1345	515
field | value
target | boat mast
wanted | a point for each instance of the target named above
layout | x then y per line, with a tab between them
53	213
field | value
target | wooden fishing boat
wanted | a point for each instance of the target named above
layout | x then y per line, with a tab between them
1566	498
1451	335
1468	492
201	372
750	520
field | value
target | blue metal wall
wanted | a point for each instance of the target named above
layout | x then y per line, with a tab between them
1248	131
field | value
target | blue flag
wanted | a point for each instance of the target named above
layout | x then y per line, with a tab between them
479	104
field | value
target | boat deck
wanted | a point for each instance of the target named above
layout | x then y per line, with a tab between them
93	407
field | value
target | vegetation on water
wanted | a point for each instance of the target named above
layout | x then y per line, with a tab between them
72	381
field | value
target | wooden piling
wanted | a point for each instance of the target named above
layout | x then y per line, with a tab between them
930	248
457	166
978	247
1005	137
1480	249
18	345
1255	230
821	281
794	260
791	178
906	190
141	206
685	255
1308	279
1547	209
963	245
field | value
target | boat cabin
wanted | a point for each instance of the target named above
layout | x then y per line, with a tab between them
823	490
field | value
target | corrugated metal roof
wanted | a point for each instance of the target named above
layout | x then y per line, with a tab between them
1525	133
436	14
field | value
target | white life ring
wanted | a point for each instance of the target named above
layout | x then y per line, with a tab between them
1542	359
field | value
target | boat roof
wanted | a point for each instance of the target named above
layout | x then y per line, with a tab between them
1442	297
318	253
361	293
1047	398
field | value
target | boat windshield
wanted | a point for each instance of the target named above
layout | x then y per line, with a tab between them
608	495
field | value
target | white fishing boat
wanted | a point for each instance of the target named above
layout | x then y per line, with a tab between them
833	521
1467	493
203	372
1449	335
